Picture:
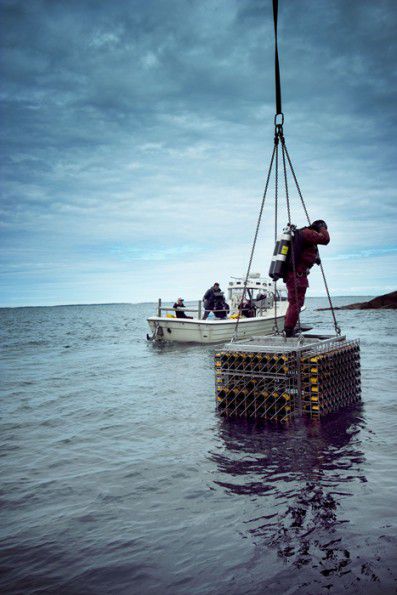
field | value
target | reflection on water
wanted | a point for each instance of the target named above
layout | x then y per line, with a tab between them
297	478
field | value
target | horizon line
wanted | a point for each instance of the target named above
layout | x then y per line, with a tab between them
155	302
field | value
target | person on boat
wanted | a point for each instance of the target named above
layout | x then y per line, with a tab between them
209	299
261	300
247	308
177	307
297	284
221	308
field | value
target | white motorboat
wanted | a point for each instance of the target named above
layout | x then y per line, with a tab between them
270	307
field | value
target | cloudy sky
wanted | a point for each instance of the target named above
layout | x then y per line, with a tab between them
136	137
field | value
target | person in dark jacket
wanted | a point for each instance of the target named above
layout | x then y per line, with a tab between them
247	309
312	236
209	299
179	313
221	308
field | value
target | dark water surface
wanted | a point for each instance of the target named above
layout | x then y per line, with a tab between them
117	475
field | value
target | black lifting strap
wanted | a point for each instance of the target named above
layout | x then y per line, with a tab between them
276	63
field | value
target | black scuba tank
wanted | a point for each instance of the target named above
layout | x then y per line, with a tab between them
281	252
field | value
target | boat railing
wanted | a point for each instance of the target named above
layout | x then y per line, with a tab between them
161	308
199	309
262	308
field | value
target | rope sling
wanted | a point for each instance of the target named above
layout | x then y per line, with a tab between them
279	139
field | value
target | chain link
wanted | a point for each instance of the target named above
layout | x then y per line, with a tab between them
296	183
337	327
276	141
235	335
292	241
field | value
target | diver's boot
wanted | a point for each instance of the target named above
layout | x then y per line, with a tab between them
288	332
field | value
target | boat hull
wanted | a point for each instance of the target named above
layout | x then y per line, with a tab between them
180	330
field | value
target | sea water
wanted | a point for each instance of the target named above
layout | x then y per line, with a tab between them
118	475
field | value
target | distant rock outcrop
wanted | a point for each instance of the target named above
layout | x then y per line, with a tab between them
383	302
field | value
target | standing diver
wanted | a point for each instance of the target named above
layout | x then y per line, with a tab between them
209	298
305	257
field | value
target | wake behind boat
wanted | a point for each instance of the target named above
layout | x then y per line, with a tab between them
269	310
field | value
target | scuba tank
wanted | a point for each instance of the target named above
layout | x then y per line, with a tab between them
281	253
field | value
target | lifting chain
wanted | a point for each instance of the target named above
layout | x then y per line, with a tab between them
258	223
279	138
276	143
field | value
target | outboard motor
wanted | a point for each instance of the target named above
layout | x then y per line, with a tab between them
281	252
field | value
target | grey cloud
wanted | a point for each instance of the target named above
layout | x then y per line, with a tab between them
128	119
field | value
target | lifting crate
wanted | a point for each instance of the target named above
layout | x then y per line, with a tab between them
275	378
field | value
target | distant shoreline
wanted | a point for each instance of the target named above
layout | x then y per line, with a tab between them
155	302
387	301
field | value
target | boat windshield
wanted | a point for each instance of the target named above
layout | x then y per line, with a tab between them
260	291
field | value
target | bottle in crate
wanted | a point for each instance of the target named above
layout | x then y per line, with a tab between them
261	401
271	360
231	360
241	401
222	399
288	401
244	361
283	406
234	361
252	385
273	405
257	362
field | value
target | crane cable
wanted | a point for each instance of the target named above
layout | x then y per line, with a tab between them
279	111
279	137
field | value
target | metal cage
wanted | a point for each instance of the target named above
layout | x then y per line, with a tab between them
274	378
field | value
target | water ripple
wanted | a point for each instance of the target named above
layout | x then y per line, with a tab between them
118	475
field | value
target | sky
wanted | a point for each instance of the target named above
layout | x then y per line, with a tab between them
136	137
